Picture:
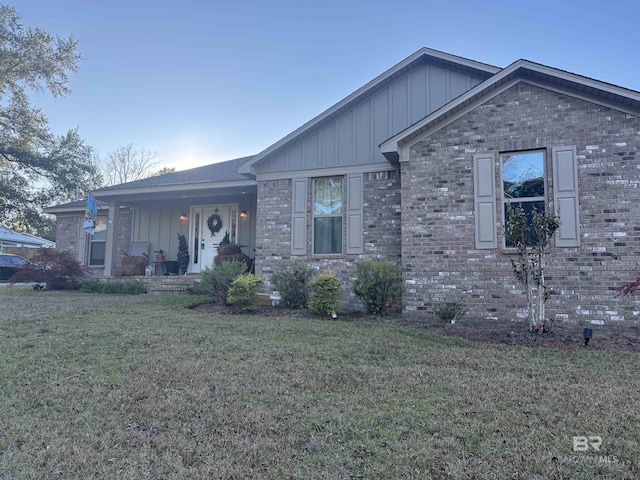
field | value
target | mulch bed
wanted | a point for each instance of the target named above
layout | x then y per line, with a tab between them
565	335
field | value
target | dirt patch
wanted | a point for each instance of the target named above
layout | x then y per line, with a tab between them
612	336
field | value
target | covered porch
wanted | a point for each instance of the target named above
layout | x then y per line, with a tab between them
208	205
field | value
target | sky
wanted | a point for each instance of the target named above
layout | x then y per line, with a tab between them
201	81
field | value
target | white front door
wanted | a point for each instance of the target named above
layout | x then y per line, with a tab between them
209	225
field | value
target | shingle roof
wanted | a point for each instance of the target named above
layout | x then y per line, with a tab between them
217	172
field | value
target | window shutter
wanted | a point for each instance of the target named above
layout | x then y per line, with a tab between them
299	217
565	195
355	240
484	189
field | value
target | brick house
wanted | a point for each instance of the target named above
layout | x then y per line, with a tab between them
416	167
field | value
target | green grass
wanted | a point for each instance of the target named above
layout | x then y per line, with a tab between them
95	386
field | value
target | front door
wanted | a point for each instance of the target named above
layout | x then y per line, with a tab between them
209	226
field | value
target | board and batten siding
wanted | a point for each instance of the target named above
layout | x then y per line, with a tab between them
353	138
159	222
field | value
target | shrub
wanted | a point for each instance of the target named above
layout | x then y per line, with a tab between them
91	285
127	287
378	285
131	266
326	291
57	268
216	281
243	293
292	279
451	310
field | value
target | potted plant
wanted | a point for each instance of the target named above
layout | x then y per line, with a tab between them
183	254
159	255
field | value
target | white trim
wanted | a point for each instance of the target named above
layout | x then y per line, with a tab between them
328	171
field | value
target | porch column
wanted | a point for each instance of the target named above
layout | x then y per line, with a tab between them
111	246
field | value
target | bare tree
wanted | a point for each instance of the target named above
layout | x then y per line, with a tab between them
128	164
163	171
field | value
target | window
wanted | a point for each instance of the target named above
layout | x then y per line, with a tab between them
327	215
523	180
523	184
98	242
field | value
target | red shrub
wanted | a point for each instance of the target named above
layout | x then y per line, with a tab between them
57	268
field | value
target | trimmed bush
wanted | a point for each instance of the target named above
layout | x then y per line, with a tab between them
59	269
216	281
243	293
91	286
127	287
326	291
292	279
378	285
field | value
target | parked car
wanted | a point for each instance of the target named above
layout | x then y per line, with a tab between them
10	264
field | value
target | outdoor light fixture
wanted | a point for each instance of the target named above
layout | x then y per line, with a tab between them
587	333
244	214
183	216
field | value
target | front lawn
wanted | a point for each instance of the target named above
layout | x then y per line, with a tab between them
96	386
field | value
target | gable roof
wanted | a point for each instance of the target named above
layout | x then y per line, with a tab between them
214	176
420	57
623	99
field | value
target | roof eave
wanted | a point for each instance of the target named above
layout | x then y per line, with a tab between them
172	188
521	68
76	209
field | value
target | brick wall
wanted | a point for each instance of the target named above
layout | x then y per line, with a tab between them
381	229
438	244
124	235
67	232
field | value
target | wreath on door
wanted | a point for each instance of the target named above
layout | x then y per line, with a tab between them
214	222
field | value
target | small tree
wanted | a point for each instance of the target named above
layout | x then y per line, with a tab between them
59	269
531	242
183	252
